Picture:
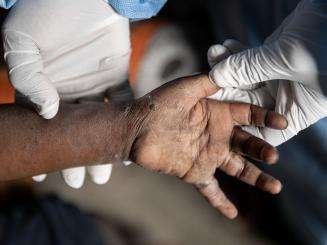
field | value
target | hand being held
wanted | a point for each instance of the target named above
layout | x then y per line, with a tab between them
189	136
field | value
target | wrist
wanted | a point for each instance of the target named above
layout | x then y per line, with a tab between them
132	122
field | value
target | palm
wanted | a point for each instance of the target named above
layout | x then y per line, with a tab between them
190	137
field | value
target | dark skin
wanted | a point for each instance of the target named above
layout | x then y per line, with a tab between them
174	129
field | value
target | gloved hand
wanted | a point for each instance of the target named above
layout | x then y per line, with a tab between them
301	105
296	51
68	50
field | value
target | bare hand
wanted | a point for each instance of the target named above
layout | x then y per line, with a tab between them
189	136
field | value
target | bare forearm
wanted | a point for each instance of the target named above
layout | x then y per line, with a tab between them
79	135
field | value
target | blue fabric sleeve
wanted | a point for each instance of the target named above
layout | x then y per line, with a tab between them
7	4
137	9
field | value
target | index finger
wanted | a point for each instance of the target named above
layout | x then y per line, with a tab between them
248	114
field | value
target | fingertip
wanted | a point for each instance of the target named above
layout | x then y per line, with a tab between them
234	46
100	179
283	123
233	213
75	184
276	121
229	42
39	178
74	177
216	50
101	174
230	211
50	112
49	115
127	163
269	154
276	187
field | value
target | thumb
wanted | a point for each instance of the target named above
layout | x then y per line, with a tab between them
202	86
198	86
250	67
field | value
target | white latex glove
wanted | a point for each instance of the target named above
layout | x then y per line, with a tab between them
296	51
68	49
301	105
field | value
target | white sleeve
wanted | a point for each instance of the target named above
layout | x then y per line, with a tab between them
25	66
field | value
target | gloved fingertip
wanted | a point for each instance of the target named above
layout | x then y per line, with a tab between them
49	115
50	112
39	178
74	177
216	50
127	163
101	180
75	183
229	41
216	54
101	174
234	46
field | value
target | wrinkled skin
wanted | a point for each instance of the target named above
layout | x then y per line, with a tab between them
189	136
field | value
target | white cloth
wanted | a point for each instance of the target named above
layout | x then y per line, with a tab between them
301	105
66	49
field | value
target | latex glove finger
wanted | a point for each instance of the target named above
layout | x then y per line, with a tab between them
25	65
261	96
127	163
45	97
280	60
39	178
74	177
246	68
218	53
100	174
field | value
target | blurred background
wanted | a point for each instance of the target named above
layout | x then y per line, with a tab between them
139	207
